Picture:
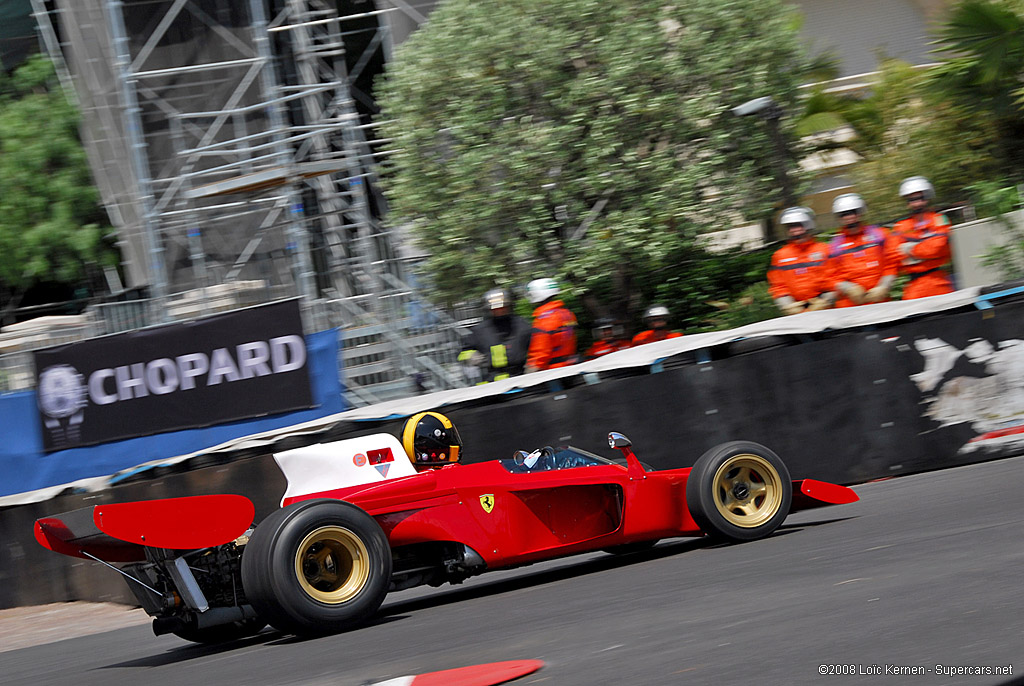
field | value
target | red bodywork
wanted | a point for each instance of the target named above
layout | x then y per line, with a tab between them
118	532
507	518
541	515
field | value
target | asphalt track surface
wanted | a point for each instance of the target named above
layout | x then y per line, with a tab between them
924	571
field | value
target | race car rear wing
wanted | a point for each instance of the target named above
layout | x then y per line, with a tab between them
120	532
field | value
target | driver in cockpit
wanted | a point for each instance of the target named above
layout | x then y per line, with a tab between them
431	441
548	459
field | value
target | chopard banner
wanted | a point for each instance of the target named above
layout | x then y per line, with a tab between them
222	368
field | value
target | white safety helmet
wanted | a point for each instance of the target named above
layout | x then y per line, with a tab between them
540	290
798	215
656	312
917	184
497	299
848	202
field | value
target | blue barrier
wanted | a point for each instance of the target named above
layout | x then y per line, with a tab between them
24	467
984	302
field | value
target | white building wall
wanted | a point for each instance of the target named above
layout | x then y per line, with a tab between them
862	31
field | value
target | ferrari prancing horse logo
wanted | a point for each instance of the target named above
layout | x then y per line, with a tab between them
487	502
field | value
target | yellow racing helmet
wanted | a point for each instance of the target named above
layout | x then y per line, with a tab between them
431	440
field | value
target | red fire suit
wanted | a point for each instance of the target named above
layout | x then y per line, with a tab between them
653	336
799	270
926	260
861	258
553	339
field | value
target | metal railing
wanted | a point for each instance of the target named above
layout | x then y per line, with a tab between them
393	344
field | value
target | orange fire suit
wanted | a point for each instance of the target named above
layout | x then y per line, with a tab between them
602	348
553	339
862	258
927	259
653	336
799	270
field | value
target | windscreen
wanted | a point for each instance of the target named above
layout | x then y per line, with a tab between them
550	459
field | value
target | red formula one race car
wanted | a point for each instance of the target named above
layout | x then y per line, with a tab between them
360	519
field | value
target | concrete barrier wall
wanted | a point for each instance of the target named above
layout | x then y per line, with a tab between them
937	391
846	409
972	240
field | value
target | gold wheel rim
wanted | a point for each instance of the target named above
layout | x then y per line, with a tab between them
747	490
332	565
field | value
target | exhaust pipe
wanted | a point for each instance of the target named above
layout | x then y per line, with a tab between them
215	616
168	625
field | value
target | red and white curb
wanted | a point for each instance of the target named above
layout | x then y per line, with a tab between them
474	675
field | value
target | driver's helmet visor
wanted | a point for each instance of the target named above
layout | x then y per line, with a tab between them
440	445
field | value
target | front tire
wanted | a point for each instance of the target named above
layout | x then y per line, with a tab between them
317	567
739	491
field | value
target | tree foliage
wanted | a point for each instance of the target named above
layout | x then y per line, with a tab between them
995	200
51	226
908	130
587	140
985	74
984	40
959	123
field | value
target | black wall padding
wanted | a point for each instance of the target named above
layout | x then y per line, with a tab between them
840	408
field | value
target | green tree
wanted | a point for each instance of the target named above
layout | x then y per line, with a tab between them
587	140
51	226
984	73
992	199
912	130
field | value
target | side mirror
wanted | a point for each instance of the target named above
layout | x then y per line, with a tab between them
617	440
620	442
519	457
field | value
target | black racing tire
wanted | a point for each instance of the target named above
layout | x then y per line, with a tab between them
224	632
317	567
739	491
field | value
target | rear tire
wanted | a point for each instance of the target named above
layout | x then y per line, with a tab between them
739	491
316	567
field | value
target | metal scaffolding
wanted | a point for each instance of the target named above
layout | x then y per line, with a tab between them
228	148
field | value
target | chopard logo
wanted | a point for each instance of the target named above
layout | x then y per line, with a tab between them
185	372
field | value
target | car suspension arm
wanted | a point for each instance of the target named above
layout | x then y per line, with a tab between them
123	573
